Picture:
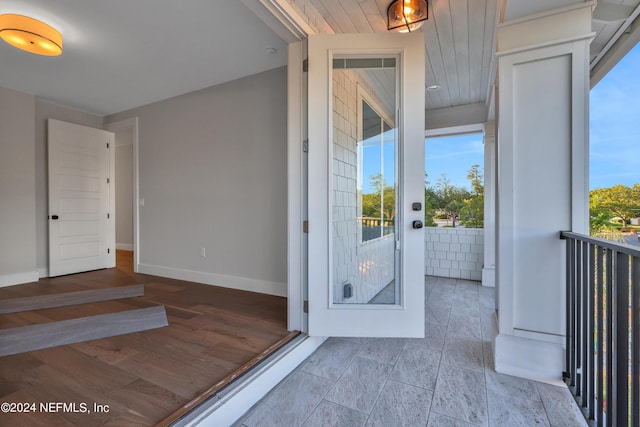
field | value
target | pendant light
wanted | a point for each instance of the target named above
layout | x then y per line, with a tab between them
405	16
30	34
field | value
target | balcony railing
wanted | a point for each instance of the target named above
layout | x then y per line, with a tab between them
372	228
603	329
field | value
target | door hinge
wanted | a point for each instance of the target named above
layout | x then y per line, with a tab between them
305	307
305	226
107	180
305	146
108	216
107	145
108	251
305	65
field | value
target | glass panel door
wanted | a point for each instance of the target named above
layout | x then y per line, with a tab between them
364	195
365	179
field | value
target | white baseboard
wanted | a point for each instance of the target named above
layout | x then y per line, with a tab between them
529	358
124	246
18	278
489	277
235	402
234	282
43	272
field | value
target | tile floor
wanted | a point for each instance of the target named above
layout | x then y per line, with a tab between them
445	379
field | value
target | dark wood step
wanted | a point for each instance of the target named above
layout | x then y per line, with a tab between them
39	302
46	335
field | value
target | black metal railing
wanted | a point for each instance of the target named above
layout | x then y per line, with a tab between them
603	329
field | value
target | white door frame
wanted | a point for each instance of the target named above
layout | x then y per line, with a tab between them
296	134
126	124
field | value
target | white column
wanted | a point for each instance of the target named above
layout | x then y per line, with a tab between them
489	267
542	182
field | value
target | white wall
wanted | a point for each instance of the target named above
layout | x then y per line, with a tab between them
17	188
454	252
212	170
542	182
43	111
124	189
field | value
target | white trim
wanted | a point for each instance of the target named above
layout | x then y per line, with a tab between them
547	13
233	282
43	272
454	130
124	246
489	276
285	19
112	201
529	358
456	120
239	398
295	188
586	36
18	278
540	336
132	123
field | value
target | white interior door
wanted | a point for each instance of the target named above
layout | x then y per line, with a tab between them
366	185
80	221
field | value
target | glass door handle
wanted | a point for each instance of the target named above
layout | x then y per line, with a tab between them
417	224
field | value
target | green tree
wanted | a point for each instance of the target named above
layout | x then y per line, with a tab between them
429	204
382	198
473	210
477	180
450	198
617	201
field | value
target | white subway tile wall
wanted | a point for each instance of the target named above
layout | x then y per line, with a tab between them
454	252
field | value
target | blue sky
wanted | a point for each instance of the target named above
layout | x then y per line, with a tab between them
453	156
615	125
614	134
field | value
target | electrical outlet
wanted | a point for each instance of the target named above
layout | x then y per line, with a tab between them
203	252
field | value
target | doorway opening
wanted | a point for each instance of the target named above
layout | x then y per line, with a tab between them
125	157
124	199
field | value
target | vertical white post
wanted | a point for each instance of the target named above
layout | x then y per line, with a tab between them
489	268
542	182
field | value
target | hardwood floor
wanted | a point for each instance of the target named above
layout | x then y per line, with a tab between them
143	377
124	260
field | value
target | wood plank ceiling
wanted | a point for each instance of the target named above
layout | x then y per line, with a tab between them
460	38
459	35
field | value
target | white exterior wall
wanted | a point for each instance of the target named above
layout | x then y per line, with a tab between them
454	252
542	182
368	267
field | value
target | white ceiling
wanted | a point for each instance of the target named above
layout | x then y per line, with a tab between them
121	54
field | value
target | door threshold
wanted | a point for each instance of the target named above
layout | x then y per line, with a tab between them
224	406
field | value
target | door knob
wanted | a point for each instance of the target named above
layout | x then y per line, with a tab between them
54	217
417	224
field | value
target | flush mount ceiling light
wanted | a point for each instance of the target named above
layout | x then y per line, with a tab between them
405	16
30	34
433	87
